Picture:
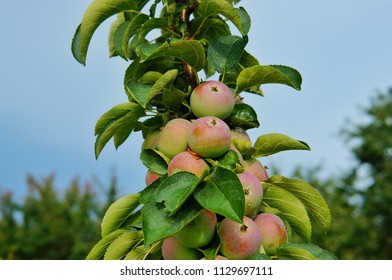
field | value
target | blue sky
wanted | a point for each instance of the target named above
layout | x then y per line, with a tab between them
49	103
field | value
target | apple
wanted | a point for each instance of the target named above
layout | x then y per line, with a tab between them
212	98
172	249
273	232
256	168
151	140
209	137
200	231
151	177
253	192
173	138
239	240
186	161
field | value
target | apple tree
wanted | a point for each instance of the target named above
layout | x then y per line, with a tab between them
206	190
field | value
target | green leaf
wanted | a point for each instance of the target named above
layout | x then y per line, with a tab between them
157	224
291	208
273	143
225	52
229	160
124	33
315	250
294	253
213	8
120	246
154	161
149	25
142	253
189	51
139	92
243	116
114	113
268	74
116	122
308	195
222	194
95	14
148	193
261	257
175	190
99	249
118	212
112	31
137	69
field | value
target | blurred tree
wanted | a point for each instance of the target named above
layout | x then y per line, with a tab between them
47	225
361	198
372	148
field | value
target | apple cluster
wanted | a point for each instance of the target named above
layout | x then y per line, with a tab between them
190	145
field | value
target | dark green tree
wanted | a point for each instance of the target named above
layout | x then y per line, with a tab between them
51	225
371	236
360	199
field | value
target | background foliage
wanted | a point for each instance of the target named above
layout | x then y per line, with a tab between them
50	225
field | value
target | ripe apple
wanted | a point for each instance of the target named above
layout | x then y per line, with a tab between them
173	138
212	98
253	192
209	137
200	231
239	240
273	232
185	161
151	177
256	168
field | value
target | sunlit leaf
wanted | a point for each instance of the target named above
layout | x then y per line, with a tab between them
273	143
118	212
257	75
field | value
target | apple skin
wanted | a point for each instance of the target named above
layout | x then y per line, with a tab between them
209	137
151	177
172	249
273	232
200	231
173	138
212	98
253	192
256	168
239	240
185	161
151	140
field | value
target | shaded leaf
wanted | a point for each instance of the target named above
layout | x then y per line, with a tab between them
225	52
157	224
175	190
222	194
243	116
154	161
189	51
